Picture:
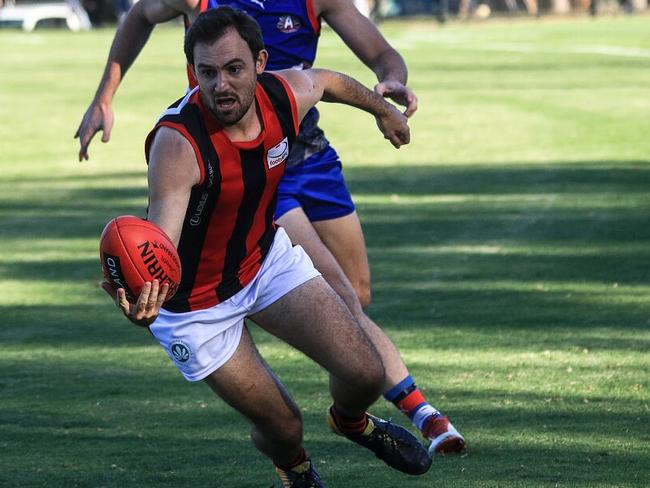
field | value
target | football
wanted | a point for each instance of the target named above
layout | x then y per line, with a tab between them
134	251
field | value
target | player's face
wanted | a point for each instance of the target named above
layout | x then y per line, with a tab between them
227	76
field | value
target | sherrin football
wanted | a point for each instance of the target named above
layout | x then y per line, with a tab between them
134	251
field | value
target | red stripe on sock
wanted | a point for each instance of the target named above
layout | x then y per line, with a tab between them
411	401
302	457
349	425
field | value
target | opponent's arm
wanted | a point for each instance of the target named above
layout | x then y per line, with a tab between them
129	40
314	85
173	171
367	43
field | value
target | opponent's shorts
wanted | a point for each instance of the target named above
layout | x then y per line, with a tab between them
317	186
201	341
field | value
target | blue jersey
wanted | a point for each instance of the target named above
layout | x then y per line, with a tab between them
290	29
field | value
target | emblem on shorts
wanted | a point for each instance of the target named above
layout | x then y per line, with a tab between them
180	351
278	153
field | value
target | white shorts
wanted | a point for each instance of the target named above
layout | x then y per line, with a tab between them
201	341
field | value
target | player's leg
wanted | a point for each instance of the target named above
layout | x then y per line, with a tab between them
249	385
302	232
314	194
399	387
343	237
213	345
313	319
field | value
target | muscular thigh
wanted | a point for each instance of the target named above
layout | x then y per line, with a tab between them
313	319
344	238
249	385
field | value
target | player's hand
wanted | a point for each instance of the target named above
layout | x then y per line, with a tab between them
99	116
145	311
394	125
398	93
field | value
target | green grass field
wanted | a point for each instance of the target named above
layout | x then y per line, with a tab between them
509	244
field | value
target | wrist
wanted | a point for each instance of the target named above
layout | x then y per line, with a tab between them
108	85
383	108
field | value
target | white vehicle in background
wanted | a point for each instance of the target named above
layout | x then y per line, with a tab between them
28	15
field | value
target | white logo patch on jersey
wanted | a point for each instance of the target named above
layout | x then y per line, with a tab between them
288	23
278	153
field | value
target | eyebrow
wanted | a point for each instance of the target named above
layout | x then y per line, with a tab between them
232	61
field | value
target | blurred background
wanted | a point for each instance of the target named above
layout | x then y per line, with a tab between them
83	14
509	246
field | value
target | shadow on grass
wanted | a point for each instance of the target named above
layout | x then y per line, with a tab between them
415	249
516	319
576	177
151	429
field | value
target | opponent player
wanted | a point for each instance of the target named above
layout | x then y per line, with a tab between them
215	158
314	205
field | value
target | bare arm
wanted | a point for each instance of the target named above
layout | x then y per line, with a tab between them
367	43
314	85
173	171
129	40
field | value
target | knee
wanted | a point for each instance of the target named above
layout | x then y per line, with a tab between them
370	379
364	293
285	429
291	432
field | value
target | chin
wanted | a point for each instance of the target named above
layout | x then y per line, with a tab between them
229	118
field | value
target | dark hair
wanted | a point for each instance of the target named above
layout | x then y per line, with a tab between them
212	24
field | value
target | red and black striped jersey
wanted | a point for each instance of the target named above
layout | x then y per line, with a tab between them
228	227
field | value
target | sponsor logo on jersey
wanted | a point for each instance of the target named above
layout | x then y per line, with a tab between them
210	175
180	351
196	217
288	23
258	2
278	153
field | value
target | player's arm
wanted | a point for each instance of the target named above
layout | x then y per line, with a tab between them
129	40
314	85
173	171
367	43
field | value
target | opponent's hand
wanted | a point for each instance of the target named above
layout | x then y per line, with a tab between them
146	309
398	93
394	125
99	116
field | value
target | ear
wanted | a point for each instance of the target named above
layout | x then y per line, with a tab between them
260	62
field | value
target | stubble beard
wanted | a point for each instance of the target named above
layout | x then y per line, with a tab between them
229	116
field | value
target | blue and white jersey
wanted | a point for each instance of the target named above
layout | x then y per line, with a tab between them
290	29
